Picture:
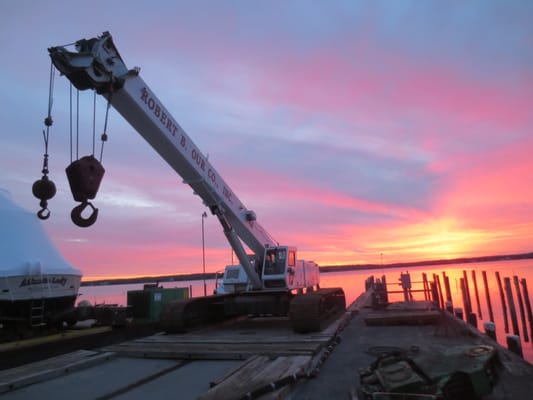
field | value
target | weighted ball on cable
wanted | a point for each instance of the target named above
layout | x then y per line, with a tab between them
44	188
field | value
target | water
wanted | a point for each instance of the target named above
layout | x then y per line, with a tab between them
353	284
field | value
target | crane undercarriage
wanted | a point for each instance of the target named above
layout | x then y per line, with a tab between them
308	312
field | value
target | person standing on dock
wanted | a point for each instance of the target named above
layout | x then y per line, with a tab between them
405	280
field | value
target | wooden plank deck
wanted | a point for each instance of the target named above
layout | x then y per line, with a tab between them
233	344
203	351
255	373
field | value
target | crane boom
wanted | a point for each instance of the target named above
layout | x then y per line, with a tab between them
98	65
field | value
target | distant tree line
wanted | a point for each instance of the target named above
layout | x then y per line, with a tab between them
324	269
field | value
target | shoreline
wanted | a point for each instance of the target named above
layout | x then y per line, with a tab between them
323	269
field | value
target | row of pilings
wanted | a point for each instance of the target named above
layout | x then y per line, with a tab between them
439	292
512	292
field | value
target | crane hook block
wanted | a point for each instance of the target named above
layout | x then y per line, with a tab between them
44	189
84	177
77	217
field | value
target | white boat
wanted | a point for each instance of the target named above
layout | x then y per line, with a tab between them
37	285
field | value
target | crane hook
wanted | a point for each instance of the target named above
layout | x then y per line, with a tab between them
79	220
44	212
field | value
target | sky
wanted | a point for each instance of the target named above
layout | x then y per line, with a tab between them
358	131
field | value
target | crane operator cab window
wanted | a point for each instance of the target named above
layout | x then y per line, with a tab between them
275	261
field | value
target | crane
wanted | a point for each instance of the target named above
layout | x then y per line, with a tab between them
270	280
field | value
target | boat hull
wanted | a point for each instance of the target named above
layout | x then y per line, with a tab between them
54	294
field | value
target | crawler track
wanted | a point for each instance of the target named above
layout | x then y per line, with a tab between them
181	315
311	311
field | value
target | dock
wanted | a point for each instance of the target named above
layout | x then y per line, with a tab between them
258	358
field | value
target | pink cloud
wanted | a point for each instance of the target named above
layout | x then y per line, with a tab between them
489	181
389	86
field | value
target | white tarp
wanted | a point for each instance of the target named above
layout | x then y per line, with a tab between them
25	248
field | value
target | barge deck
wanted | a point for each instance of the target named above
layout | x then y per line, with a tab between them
253	358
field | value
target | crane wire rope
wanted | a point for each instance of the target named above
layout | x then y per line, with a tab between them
94	119
48	120
70	136
104	134
77	124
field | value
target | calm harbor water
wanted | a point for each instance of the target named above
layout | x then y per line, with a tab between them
353	284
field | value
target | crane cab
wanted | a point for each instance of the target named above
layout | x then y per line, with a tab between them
282	270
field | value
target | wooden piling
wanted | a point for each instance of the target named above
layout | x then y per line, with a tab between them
447	287
487	295
385	293
504	307
449	307
521	308
448	292
528	305
514	345
472	319
476	293
510	301
436	289
466	305
369	282
434	293
467	290
426	286
490	330
439	287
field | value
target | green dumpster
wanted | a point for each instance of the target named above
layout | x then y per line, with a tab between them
146	304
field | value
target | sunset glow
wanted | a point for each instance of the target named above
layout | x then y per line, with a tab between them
360	132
